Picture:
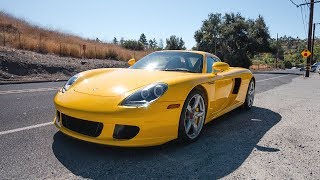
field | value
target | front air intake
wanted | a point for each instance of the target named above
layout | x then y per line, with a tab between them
88	128
125	132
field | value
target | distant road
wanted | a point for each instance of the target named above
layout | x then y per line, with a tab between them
31	147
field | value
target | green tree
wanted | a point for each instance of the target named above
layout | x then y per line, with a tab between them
160	45
233	38
277	49
288	64
121	41
115	41
143	40
153	44
175	43
316	51
133	45
259	36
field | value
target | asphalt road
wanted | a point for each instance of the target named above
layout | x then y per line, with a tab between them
32	148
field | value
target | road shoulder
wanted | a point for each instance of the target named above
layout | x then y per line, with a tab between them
294	141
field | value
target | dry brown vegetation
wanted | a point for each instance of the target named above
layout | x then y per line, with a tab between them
18	33
261	67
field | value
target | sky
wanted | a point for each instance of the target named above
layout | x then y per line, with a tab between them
106	19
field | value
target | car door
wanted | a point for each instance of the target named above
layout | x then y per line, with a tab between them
222	88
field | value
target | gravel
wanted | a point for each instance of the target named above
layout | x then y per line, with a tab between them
20	65
291	148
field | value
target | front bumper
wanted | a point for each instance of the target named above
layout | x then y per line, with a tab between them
156	123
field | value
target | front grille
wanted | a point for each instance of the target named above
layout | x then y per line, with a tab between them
81	126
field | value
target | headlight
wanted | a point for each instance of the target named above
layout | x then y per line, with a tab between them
146	95
70	82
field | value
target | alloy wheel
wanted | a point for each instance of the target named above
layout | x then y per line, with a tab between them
194	116
250	95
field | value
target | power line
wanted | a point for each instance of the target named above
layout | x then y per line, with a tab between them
293	3
306	16
303	21
306	3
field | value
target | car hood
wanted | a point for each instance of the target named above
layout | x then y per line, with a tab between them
115	82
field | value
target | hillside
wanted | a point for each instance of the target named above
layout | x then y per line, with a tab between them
19	34
22	65
29	52
289	52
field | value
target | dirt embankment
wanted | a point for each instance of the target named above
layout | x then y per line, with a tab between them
20	65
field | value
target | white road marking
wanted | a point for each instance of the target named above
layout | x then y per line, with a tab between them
25	128
29	90
272	78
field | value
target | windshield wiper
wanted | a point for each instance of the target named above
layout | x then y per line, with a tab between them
178	69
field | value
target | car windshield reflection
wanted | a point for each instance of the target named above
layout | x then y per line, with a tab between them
171	61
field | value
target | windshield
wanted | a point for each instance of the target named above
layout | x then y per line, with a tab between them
171	61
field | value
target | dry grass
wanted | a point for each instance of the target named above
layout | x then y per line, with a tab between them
261	67
20	34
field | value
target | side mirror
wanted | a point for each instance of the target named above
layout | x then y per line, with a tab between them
131	61
219	67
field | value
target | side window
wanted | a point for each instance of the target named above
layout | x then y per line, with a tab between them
210	62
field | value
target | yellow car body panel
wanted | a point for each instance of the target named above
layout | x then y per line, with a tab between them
97	95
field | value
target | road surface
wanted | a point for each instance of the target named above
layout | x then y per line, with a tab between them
32	148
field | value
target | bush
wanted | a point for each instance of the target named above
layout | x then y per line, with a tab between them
288	64
133	45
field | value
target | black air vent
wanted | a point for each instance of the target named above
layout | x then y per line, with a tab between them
237	83
81	126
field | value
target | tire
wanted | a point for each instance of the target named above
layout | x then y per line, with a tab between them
250	95
192	117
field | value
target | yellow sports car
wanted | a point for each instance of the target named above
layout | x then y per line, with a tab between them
164	96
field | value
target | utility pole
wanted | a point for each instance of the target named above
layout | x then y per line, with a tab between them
277	55
309	36
312	46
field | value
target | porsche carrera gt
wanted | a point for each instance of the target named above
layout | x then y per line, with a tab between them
164	96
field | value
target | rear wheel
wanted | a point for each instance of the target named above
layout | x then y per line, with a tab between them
250	96
192	117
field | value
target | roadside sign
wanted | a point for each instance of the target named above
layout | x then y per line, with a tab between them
305	53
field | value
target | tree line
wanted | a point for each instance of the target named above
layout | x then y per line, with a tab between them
233	38
236	40
172	43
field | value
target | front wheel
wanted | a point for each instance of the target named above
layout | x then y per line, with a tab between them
192	117
250	95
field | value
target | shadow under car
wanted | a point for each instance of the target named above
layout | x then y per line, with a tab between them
223	146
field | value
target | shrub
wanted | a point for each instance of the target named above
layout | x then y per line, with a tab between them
133	45
288	64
